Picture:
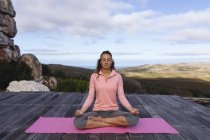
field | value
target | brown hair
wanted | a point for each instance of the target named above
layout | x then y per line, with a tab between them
98	68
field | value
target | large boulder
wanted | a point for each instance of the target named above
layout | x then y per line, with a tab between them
36	67
8	50
21	86
50	82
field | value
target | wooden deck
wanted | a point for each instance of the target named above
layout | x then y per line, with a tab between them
19	110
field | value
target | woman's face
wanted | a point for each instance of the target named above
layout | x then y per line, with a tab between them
106	61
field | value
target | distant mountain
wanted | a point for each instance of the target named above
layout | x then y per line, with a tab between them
71	71
183	70
184	79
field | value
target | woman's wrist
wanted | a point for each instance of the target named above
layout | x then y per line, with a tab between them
130	108
83	109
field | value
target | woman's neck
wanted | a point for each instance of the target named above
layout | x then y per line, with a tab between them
106	71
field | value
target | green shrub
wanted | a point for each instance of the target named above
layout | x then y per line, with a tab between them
59	74
72	85
46	71
10	71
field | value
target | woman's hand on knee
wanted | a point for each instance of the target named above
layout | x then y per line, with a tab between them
135	111
79	113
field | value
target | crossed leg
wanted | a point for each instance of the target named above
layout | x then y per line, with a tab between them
94	122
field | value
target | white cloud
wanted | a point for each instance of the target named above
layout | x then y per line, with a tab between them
51	52
189	36
183	20
127	53
80	18
133	22
186	54
96	18
155	21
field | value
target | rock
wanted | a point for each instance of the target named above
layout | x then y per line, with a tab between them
8	25
32	61
4	40
6	7
9	53
50	82
24	85
8	50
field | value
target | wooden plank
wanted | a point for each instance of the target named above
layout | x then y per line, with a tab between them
47	137
108	136
147	107
19	131
148	136
122	136
184	132
135	137
14	132
26	98
132	100
69	137
190	119
205	130
5	130
4	97
175	137
59	111
161	137
34	99
28	117
82	137
11	116
6	109
171	101
12	99
94	136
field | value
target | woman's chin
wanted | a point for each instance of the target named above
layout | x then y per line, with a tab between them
106	67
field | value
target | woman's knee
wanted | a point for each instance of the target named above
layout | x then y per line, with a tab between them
133	120
79	123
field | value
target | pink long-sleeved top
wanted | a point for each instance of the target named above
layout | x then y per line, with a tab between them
106	92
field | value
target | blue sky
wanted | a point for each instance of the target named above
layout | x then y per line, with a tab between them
137	32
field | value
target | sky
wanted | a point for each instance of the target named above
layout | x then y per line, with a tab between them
136	32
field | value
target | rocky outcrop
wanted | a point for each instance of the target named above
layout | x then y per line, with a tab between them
11	52
50	82
36	67
8	50
20	86
6	7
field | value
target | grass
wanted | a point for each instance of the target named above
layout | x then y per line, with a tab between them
176	86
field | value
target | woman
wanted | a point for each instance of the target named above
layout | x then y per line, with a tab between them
107	84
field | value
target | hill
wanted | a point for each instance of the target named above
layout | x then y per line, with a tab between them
199	71
70	71
185	79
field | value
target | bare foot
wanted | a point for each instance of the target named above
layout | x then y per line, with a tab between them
101	120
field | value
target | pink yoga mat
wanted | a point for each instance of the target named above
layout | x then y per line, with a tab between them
65	125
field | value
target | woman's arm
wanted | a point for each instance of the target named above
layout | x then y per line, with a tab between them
122	98
89	99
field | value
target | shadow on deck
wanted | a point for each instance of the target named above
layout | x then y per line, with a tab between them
19	110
